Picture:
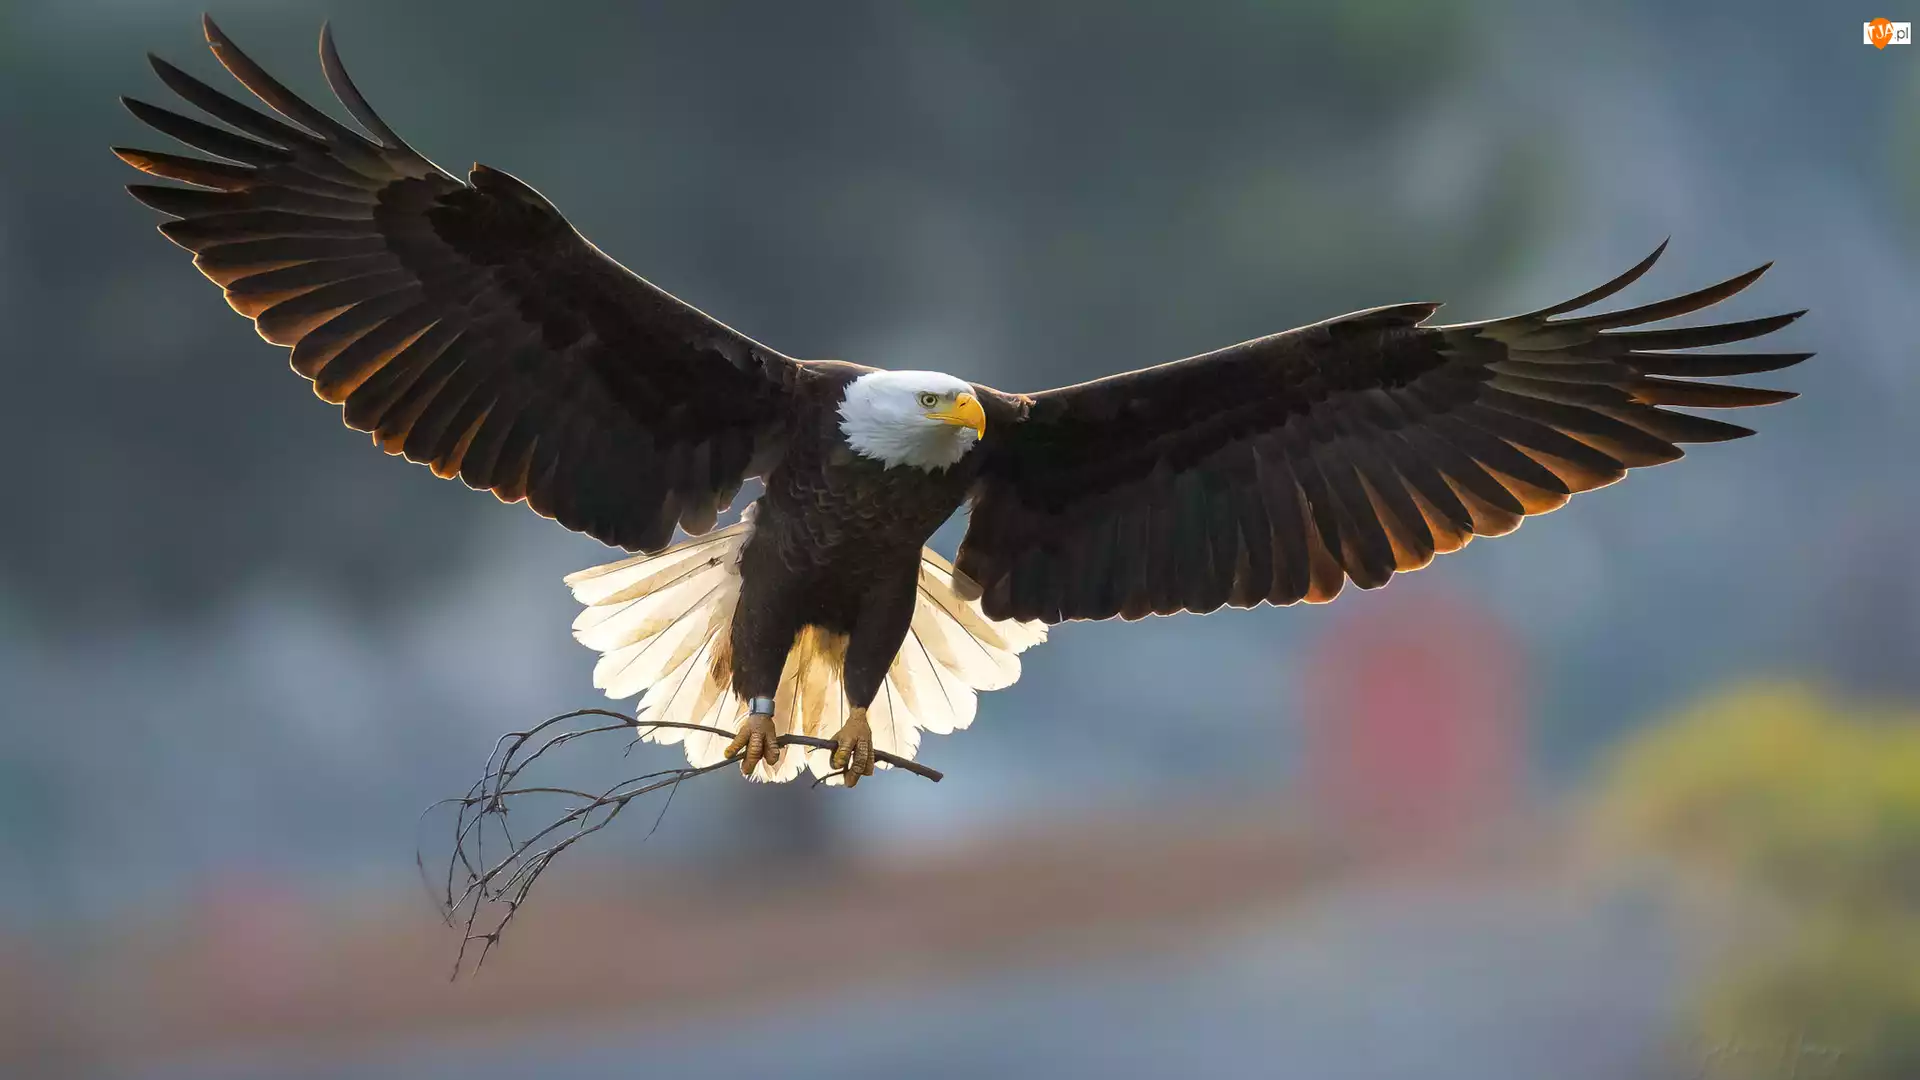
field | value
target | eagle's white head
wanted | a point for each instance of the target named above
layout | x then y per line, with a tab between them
919	418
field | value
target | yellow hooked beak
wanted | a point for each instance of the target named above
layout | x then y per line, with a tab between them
965	412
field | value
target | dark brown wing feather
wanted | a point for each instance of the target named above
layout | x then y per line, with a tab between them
466	325
1276	470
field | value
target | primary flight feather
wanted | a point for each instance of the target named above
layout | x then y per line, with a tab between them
467	326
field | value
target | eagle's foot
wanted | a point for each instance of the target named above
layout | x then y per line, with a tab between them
757	738
853	748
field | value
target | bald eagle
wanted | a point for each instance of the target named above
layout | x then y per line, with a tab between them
467	326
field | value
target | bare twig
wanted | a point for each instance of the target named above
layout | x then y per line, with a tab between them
475	883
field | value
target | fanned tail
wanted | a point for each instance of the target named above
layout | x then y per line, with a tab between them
662	624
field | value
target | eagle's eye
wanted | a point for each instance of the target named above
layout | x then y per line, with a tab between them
928	401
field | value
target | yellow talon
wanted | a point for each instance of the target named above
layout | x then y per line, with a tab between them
853	748
757	738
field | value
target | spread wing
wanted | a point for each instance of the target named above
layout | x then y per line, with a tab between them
1275	470
465	324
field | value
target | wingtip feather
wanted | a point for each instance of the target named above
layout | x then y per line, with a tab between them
1594	296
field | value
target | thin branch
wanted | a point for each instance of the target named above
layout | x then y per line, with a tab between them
810	741
476	883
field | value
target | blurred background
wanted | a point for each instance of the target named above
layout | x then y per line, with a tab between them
1634	793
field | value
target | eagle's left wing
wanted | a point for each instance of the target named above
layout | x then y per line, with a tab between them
1274	470
466	325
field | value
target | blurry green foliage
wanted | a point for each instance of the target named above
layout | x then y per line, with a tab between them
1844	988
1811	807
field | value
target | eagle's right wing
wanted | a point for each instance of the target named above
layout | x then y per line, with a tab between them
466	325
1276	470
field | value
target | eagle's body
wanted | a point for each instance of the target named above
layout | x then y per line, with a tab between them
468	326
836	545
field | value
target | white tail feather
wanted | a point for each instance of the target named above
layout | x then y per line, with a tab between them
662	624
